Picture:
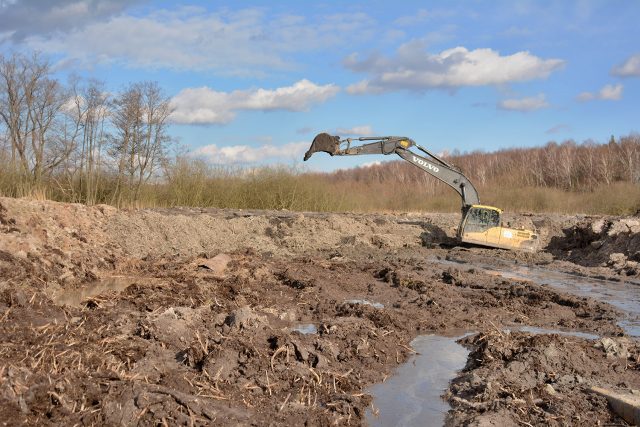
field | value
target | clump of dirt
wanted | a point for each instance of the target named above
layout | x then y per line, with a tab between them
605	242
524	379
191	317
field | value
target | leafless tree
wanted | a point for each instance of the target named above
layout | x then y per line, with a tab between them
30	102
629	157
141	140
84	134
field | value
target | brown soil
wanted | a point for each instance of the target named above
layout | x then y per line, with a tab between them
186	317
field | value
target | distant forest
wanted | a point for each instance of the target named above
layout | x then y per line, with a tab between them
563	177
566	166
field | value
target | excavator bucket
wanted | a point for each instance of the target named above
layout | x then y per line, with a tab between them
325	143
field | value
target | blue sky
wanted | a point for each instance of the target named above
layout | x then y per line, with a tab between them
252	82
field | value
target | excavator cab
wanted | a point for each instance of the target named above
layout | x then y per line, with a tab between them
482	225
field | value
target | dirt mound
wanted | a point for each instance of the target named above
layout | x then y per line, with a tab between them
169	232
605	242
539	379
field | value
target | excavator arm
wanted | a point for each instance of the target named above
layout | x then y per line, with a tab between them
399	145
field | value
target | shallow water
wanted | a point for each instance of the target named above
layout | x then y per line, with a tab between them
623	295
75	297
412	396
542	331
305	329
365	302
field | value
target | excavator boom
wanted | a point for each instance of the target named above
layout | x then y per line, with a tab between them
480	224
399	145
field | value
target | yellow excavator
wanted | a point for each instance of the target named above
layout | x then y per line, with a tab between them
480	224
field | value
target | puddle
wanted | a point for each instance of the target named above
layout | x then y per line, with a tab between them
74	297
631	327
365	302
412	397
305	329
623	295
543	331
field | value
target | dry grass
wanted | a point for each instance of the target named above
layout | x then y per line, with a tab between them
616	199
194	183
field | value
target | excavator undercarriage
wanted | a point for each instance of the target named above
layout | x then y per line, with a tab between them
480	224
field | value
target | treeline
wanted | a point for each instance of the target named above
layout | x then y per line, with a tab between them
563	177
76	142
565	166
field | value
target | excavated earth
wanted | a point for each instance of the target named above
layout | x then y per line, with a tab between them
201	317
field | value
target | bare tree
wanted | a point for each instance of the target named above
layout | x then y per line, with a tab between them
29	105
141	140
81	139
45	106
606	164
629	157
152	149
95	111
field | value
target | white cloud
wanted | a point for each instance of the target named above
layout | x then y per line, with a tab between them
364	87
248	154
371	164
413	68
204	105
608	93
243	42
524	104
355	131
630	67
611	92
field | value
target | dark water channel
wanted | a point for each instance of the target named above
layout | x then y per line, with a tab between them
412	397
623	295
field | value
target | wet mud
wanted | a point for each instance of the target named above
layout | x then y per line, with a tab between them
201	317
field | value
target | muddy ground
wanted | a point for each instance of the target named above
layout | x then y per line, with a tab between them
189	317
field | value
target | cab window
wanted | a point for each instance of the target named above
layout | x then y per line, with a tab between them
480	220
